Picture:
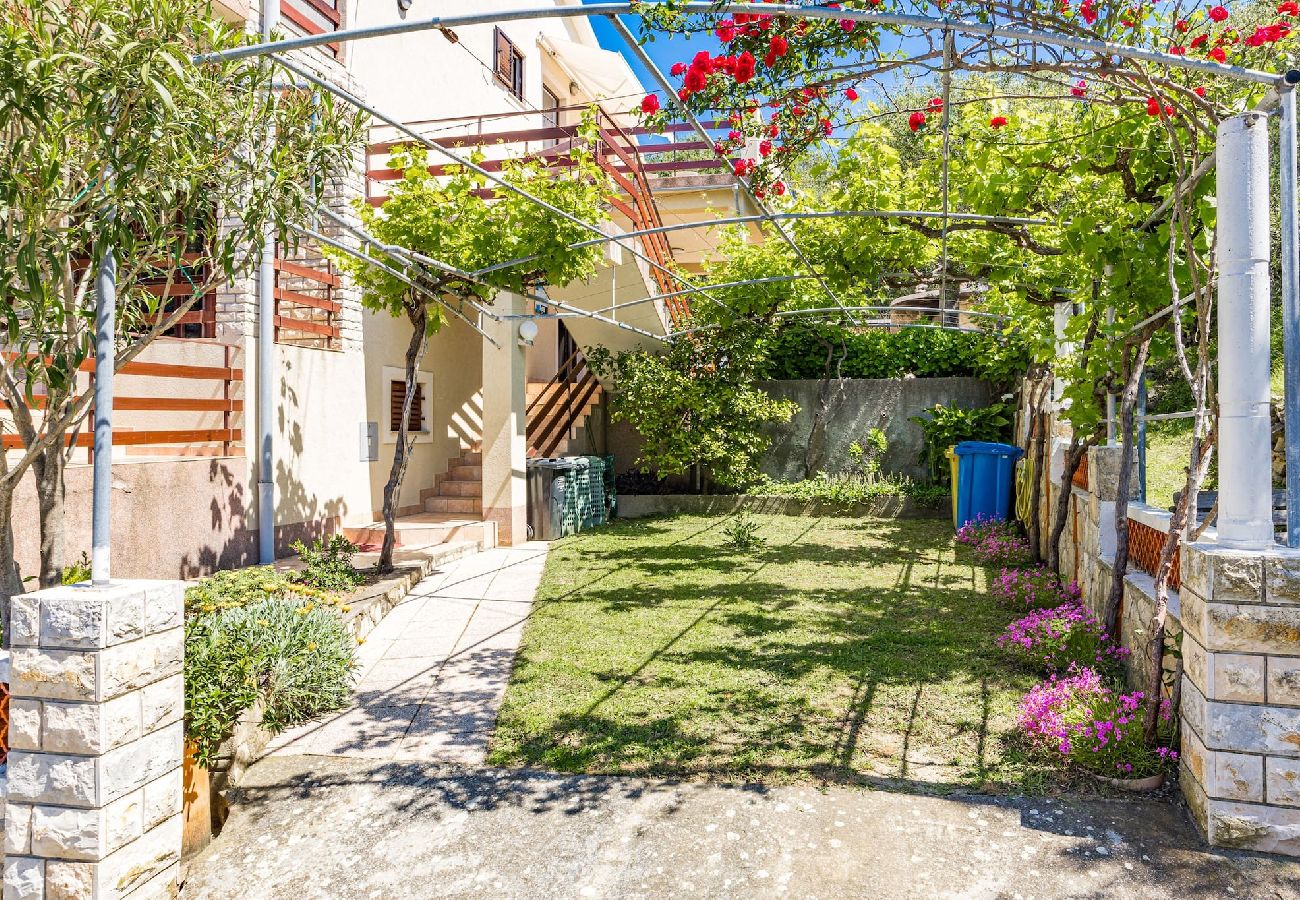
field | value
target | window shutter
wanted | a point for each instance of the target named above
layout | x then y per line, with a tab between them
504	56
396	398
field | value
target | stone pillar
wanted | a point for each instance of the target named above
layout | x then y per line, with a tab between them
1245	517
505	424
1240	613
96	737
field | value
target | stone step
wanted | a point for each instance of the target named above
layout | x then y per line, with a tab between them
453	505
458	472
460	488
426	530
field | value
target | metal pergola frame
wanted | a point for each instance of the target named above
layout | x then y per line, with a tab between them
1281	97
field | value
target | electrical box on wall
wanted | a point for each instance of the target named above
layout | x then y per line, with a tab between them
369	441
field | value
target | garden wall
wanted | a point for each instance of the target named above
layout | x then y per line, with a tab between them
857	405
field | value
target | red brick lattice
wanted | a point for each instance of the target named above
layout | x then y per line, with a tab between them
1080	479
4	723
1144	545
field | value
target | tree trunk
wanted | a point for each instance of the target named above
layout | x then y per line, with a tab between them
1073	457
1127	402
815	456
419	316
1038	426
50	493
11	582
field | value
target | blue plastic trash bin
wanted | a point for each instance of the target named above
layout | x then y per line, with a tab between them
986	473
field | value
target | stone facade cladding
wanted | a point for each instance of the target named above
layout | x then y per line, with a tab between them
94	788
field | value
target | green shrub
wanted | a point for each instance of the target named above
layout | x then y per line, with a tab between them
741	532
79	571
297	658
944	426
844	490
328	564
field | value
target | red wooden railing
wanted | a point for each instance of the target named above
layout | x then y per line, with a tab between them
163	400
313	17
305	309
559	408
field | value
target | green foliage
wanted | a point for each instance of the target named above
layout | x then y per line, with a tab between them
864	457
295	658
805	350
78	571
846	491
328	564
741	532
945	426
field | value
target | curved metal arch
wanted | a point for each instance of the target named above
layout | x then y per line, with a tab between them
906	20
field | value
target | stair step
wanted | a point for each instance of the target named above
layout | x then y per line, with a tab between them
460	488
457	472
453	505
469	458
425	530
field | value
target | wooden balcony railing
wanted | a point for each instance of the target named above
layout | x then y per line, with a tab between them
306	311
554	414
313	17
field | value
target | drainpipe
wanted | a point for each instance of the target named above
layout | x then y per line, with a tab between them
1290	310
270	18
101	521
1245	446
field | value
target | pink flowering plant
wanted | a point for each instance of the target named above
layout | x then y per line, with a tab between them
994	541
1037	588
1093	727
1062	637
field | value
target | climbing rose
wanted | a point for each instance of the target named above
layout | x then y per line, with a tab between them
1219	13
726	30
848	24
779	45
779	188
744	67
1088	12
851	95
1289	8
1178	50
936	103
826	126
773	130
1080	88
649	104
1199	41
1153	106
1181	25
678	68
764	148
1218	55
916	120
1200	91
998	122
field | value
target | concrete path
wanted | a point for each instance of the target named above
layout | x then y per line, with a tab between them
433	671
346	828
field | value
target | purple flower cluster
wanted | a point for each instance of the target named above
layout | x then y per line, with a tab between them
1037	587
1092	726
1062	636
994	541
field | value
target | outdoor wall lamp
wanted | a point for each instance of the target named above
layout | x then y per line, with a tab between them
527	332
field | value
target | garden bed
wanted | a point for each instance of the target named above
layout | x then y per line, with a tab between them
842	650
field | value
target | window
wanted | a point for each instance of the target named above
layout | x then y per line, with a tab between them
550	115
396	399
509	64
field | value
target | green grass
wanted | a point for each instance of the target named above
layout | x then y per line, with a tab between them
843	650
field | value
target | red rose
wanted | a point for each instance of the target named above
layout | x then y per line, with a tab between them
851	95
739	168
1181	25
779	188
1218	55
998	122
1176	50
764	148
1153	106
848	24
1219	13
936	103
1289	8
744	67
678	68
773	130
1088	12
719	149
1200	41
796	110
916	120
696	79
726	30
827	128
779	45
650	104
1080	88
1200	91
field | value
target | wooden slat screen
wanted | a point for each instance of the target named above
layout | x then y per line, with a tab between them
396	398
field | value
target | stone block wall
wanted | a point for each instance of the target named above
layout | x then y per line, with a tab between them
1241	695
96	735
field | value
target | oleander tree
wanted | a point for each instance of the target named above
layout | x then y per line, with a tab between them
1101	146
461	219
115	138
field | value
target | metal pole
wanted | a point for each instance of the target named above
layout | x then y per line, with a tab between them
105	363
1245	438
1110	395
1290	313
270	18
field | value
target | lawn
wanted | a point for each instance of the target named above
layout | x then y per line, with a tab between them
843	650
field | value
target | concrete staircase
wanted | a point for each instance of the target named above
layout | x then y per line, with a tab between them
460	491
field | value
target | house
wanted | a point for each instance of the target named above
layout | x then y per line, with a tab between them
186	460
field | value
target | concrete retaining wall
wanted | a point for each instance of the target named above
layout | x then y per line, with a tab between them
638	506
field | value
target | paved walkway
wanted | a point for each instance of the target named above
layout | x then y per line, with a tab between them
433	671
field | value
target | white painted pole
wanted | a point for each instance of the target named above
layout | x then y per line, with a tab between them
101	521
1290	311
1245	446
270	18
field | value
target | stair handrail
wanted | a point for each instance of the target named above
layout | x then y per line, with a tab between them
565	395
